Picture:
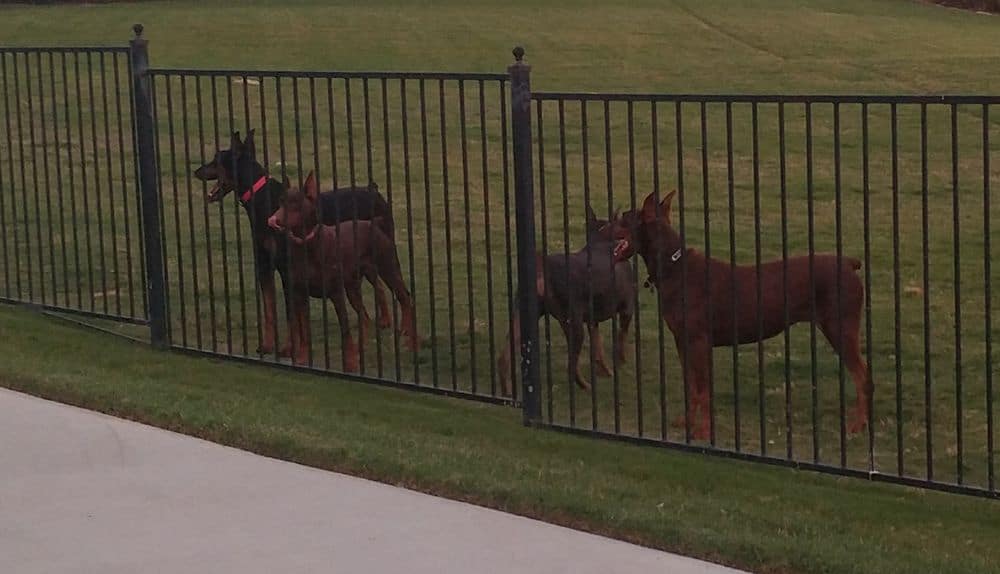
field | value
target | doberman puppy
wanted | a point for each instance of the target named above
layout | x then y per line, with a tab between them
236	169
577	292
330	261
703	315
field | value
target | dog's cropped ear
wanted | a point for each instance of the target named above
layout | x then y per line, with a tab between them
665	205
591	216
310	187
248	145
648	208
235	143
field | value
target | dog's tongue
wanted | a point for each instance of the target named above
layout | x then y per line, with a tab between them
620	248
213	194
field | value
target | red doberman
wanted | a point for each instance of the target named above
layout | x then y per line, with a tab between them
330	261
707	317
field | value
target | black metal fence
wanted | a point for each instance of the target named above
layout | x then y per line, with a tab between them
867	219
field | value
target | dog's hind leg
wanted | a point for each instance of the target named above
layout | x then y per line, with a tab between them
597	350
353	288
389	271
844	335
383	315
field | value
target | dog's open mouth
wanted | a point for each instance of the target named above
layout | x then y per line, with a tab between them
215	194
622	250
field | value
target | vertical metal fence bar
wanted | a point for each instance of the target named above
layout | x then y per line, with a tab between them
453	355
35	181
288	285
370	166
755	136
227	308
10	172
685	343
72	184
113	197
261	312
630	134
487	209
866	190
550	400
177	214
957	260
140	233
146	154
158	199
661	352
703	113
535	409
585	148
3	207
812	282
209	266
987	300
305	247
195	287
732	269
897	311
618	338
331	110
320	218
24	180
46	181
404	117
387	150
839	289
352	171
924	234
566	323
520	106
244	327
429	228
468	237
129	266
787	349
98	186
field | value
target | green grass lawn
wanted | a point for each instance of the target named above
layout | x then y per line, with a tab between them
884	47
752	516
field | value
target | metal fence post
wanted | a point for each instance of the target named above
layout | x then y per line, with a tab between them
524	208
150	203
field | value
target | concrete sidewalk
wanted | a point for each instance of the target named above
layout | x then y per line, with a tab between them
83	492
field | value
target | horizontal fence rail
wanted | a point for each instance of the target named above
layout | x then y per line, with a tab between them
70	234
897	187
618	265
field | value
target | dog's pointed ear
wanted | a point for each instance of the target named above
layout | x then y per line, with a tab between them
236	143
248	145
591	216
310	187
649	208
665	205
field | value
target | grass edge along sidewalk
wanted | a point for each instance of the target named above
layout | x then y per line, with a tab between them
749	516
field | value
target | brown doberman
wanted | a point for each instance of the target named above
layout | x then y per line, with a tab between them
703	315
330	261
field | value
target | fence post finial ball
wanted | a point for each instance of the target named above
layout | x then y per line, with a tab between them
518	53
137	28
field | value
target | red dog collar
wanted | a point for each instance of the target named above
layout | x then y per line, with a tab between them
248	194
